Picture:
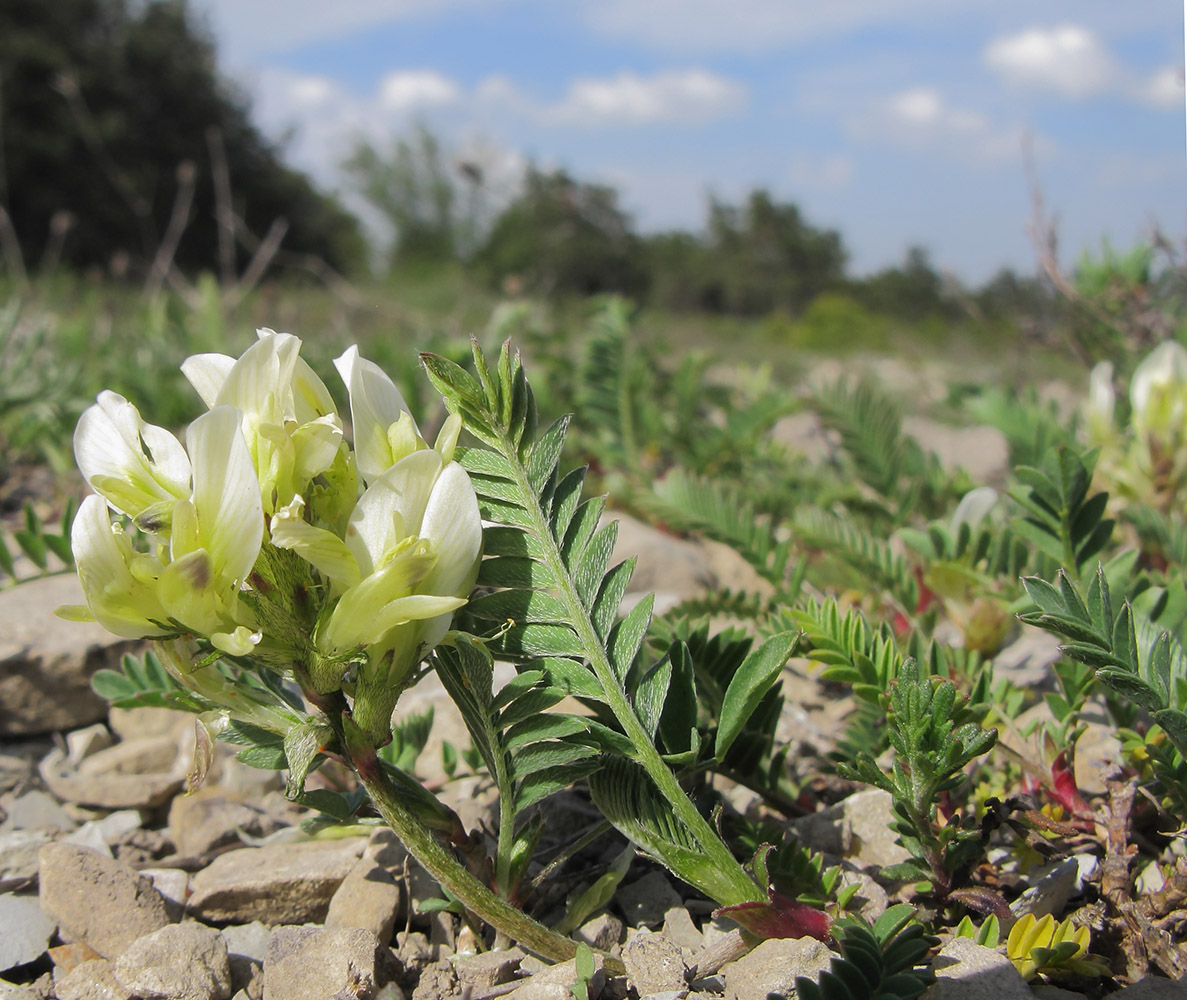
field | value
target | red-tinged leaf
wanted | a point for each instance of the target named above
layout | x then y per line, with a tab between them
1063	787
779	918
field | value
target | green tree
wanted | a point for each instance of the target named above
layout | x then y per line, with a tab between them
562	236
754	258
913	291
107	109
414	189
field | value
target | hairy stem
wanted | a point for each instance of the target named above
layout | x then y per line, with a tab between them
439	862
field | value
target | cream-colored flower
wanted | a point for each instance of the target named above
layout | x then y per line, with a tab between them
290	423
138	468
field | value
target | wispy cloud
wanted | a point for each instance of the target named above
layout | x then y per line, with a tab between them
689	97
408	91
922	118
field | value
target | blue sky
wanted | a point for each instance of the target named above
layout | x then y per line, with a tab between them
898	122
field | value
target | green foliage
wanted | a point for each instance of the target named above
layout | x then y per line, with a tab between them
861	549
528	751
1063	521
555	607
563	237
434	214
884	457
721	511
987	935
756	257
38	544
145	683
108	106
882	961
931	753
833	322
1150	672
1032	428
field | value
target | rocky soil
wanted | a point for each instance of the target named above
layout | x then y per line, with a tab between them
114	886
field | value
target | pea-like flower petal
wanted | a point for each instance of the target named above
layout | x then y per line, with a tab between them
376	405
119	590
133	465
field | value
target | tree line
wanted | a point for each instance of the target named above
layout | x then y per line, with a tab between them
123	149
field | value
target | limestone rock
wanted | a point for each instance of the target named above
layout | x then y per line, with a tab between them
98	900
369	898
679	928
490	968
208	821
966	970
665	562
82	743
179	962
313	963
174	886
601	933
34	810
46	665
93	980
247	947
653	963
19	852
773	966
437	980
554	982
857	829
120	776
279	884
645	901
24	930
981	451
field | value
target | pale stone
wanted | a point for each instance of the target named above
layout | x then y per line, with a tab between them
46	664
179	962
280	884
98	900
653	963
24	930
645	901
93	980
369	898
773	966
313	963
966	970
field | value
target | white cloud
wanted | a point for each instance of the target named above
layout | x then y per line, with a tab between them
686	96
921	118
1163	90
1068	59
415	90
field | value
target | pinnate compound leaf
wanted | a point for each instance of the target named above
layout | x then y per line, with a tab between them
754	679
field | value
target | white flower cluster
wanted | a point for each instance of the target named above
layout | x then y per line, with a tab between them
267	468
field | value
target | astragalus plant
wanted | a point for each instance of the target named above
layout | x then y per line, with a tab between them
294	584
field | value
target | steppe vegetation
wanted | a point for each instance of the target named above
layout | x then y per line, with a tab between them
885	577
